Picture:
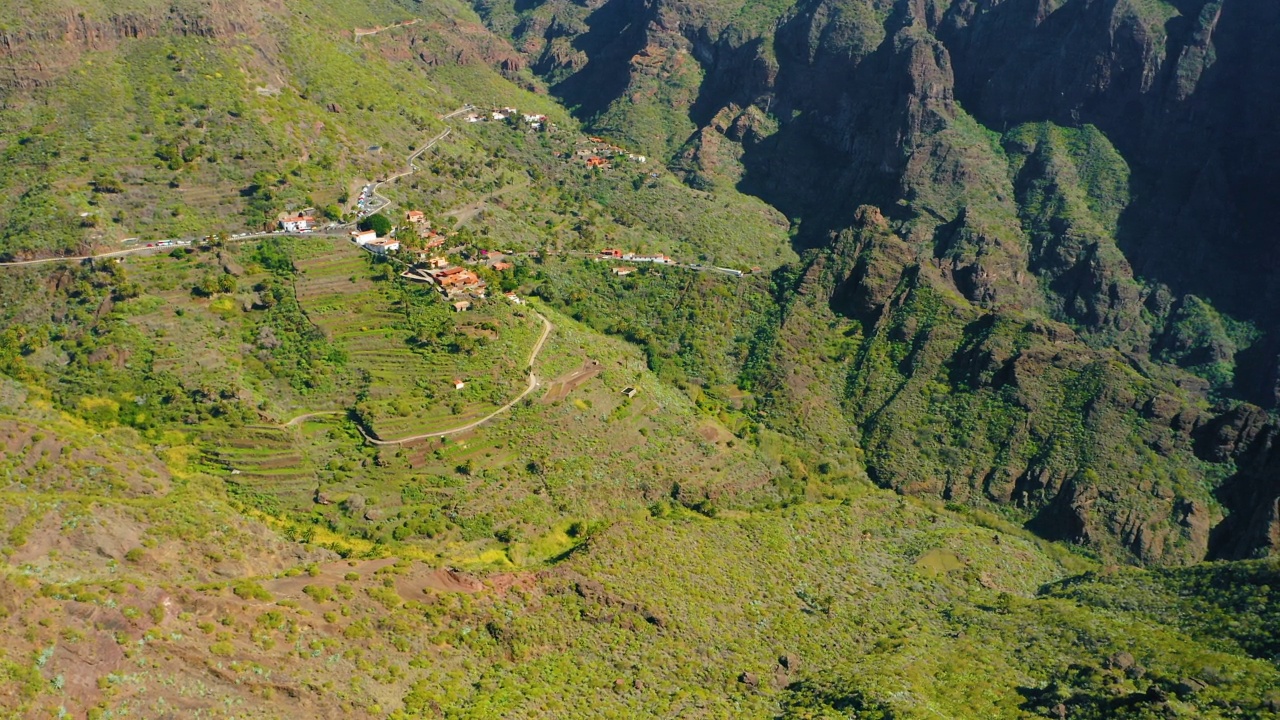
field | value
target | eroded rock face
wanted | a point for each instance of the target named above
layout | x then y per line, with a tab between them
1251	439
869	90
1025	201
43	47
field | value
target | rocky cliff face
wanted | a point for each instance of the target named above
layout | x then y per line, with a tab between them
1104	165
1250	439
38	47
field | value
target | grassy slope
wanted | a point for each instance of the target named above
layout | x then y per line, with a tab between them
144	575
182	136
882	603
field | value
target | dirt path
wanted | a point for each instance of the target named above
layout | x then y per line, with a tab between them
308	416
533	383
473	208
366	32
547	327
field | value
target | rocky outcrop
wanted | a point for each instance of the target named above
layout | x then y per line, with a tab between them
1250	438
869	93
1034	203
1181	89
595	594
44	46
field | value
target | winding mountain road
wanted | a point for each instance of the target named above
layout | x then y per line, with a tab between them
386	201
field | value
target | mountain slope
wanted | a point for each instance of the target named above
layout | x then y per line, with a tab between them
178	120
207	511
1025	164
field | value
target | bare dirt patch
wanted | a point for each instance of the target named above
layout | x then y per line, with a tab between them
560	388
714	433
415	585
479	332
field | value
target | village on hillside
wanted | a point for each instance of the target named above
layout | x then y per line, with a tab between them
595	153
460	284
599	153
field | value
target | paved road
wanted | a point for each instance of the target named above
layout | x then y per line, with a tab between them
156	248
183	242
81	258
458	112
386	202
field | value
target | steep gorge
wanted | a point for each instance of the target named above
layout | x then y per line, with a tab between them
1055	210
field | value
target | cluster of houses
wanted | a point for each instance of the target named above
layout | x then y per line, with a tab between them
503	114
603	152
369	240
418	221
456	283
615	254
660	259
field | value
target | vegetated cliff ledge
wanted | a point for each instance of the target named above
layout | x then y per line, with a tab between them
37	48
1102	166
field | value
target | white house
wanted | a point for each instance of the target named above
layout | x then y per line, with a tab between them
364	237
659	258
297	223
383	246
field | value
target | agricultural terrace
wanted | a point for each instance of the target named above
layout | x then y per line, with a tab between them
518	491
409	345
278	355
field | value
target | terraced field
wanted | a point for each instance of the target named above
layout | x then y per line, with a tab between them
410	390
260	454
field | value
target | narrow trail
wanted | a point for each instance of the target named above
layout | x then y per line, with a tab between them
366	32
303	418
533	383
547	327
471	209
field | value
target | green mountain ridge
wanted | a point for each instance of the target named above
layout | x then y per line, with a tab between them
1008	208
836	482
